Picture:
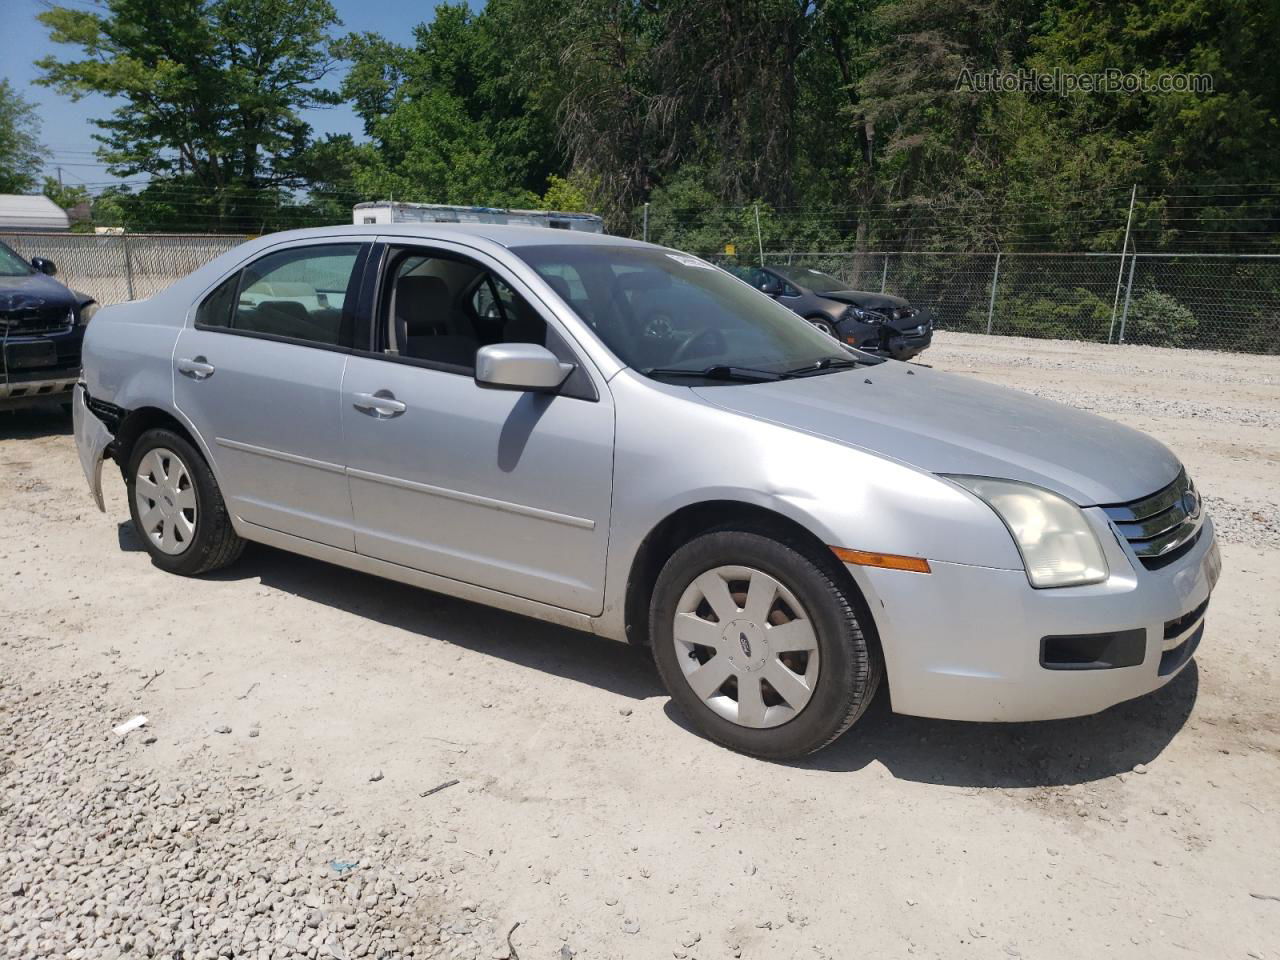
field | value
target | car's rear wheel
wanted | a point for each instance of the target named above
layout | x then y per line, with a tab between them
177	509
760	643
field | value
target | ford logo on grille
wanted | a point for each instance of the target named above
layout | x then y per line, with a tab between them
1191	503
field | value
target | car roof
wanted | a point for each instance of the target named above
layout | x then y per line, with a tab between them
508	235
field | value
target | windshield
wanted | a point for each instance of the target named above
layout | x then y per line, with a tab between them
669	315
12	265
815	280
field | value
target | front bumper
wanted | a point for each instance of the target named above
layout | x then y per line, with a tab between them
973	649
25	380
901	343
25	388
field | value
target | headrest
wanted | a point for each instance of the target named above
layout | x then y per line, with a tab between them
288	308
421	300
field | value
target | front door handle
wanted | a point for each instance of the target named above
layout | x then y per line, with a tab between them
381	405
197	369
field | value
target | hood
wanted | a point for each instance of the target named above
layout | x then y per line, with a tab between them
33	292
868	301
947	423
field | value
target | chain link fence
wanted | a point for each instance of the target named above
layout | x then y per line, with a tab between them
1209	301
115	268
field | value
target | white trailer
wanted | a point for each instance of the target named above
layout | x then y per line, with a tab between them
386	211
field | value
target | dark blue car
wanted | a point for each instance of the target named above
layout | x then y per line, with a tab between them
41	328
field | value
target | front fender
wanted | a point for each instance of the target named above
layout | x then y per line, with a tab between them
675	450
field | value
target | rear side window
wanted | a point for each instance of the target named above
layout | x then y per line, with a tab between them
307	294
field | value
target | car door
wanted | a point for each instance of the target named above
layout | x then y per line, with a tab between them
258	373
502	489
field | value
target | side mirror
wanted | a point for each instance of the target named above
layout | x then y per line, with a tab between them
520	366
47	267
771	286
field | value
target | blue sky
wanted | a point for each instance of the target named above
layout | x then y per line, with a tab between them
67	127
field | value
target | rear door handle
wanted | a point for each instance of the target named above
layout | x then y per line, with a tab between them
381	405
197	369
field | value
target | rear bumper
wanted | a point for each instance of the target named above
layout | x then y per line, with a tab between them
968	643
92	439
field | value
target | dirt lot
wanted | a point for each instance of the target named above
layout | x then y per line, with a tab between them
585	809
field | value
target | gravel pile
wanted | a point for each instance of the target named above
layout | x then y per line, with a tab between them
1187	410
1256	524
102	858
1130	362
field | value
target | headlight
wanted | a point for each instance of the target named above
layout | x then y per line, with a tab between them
1058	547
87	312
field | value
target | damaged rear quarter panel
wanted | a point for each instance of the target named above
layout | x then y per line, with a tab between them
129	363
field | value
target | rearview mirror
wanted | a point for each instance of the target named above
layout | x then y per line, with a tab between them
771	286
47	267
520	366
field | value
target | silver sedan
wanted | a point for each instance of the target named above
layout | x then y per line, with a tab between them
621	438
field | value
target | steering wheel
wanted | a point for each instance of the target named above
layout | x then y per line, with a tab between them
657	326
715	342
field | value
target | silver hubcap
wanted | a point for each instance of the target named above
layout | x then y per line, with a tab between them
166	501
824	327
746	646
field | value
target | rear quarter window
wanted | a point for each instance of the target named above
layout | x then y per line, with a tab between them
215	309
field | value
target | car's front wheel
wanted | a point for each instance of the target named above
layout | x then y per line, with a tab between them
823	324
177	509
760	643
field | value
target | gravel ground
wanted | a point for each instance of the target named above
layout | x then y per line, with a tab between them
278	802
105	858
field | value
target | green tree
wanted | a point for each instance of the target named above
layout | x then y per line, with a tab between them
451	119
65	196
211	93
20	147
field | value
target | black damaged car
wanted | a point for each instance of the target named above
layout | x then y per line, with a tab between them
875	322
41	328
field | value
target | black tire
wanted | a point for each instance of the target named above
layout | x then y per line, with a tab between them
850	661
215	543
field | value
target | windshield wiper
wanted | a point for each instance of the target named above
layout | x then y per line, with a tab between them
725	372
829	363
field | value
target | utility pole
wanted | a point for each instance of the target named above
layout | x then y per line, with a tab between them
759	237
991	304
646	222
1128	294
1128	225
59	178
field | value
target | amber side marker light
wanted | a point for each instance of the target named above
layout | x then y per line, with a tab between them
890	561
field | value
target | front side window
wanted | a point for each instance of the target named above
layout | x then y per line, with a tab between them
442	308
661	311
306	293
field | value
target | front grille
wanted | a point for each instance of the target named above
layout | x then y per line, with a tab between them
36	320
1163	526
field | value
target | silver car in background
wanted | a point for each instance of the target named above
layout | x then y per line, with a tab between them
509	415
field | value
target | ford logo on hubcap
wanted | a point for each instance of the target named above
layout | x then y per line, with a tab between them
746	644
